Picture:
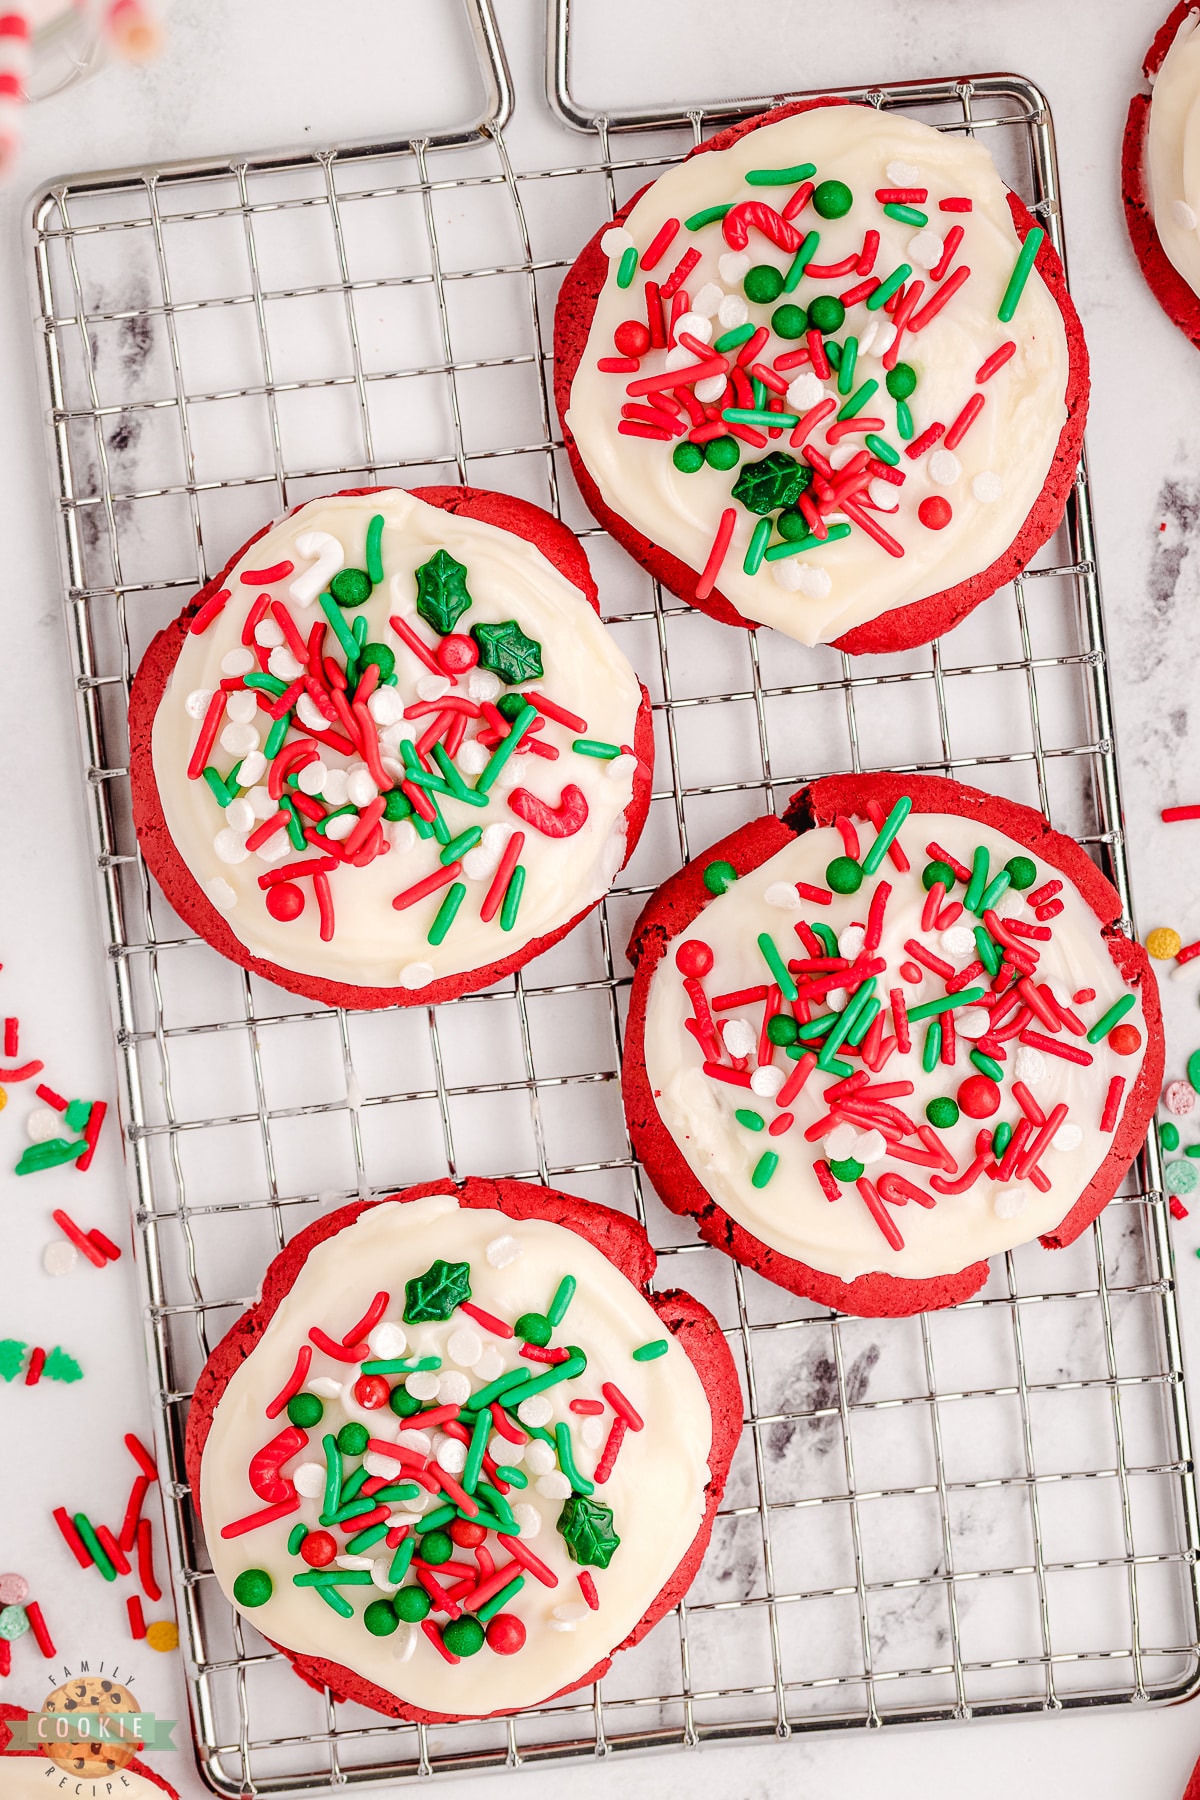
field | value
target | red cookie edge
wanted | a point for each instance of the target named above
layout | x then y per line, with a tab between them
10	1715
901	627
561	547
628	1248
1177	299
680	901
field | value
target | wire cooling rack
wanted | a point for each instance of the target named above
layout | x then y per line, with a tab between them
984	1511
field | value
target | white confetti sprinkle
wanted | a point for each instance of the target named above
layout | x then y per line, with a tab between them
239	815
324	1387
401	834
881	493
376	1463
230	846
451	1456
309	1479
732	267
261	802
553	1486
473	757
387	1339
958	941
340	828
869	1147
884	337
972	1022
239	740
679	357
767	1081
1009	1202
269	633
621	768
238	661
837	998
453	1388
593	1432
489	1367
253	768
987	487
424	1386
732	312
815	582
1183	215
567	1616
419	1442
904	174
464	1347
418	1503
840	1142
851	940
841	454
537	1410
615	242
283	665
416	975
806	390
1067	1137
404	1640
59	1257
710	389
506	1454
43	1124
310	714
539	1457
352	1562
926	249
241	706
360	789
740	1037
223	897
196	704
483	684
379	1575
432	687
707	300
502	1251
335	787
386	706
529	1519
1029	1065
944	468
696	325
783	895
788	575
277	849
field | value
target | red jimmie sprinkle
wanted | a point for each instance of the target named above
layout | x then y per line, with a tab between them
265	577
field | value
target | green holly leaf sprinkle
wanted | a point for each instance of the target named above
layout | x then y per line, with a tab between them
507	652
61	1367
587	1526
442	596
777	480
436	1293
12	1357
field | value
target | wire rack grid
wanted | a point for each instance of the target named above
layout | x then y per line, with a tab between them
985	1511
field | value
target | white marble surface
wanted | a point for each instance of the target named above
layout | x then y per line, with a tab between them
250	76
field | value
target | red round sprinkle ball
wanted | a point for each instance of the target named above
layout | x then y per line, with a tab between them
318	1549
466	1534
693	958
935	512
457	653
632	339
505	1634
371	1391
979	1097
1124	1039
285	900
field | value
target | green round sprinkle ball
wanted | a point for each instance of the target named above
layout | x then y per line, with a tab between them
688	458
353	1438
1180	1178
436	1546
305	1410
463	1637
844	875
848	1170
1022	872
379	654
938	871
832	199
826	313
722	453
351	587
1169	1135
402	1402
718	876
396	805
412	1604
253	1587
901	381
788	321
763	283
792	525
942	1112
509	705
380	1618
535	1328
782	1029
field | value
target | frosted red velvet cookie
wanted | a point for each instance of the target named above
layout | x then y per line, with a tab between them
825	375
1160	175
458	1454
390	753
887	1036
83	1771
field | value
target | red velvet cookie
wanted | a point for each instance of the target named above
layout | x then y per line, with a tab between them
27	1773
797	1161
1175	295
648	1414
941	403
463	654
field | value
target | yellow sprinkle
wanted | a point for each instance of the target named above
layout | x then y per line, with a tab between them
163	1635
1164	943
3	1098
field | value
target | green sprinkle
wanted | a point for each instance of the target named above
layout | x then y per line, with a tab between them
354	1510
722	453
933	1047
333	1472
948	1003
883	293
563	1371
454	781
750	415
374	551
433	1522
826	313
987	1066
810	542
994	890
763	284
595	747
846	1021
401	1560
1192	1150
777	966
688	458
627	268
341	630
334	1578
1020	274
397	1365
788	321
380	1618
815	1028
534	1328
365	1539
781	1029
1169	1135
512	898
515	1477
220	792
479	1443
988	950
505	748
500	1507
901	381
823	931
494	1389
566	1460
942	1112
729	340
887	834
863	1023
833	352
563	1295
253	1587
980	863
332	1598
1001	1138
764	1168
1105	1023
846	366
296	1537
1022	872
1180	1177
800	262
756	549
832	199
403	1490
276	735
751	1120
83	1526
856	402
458	846
412	1603
499	1601
269	684
904	420
49	1155
848	1169
447	911
652	1351
295	829
709	216
907	215
844	876
780	177
880	448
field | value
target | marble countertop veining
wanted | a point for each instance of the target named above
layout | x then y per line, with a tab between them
240	76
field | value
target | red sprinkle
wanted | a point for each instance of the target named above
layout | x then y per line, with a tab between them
716	555
956	203
133	1511
70	1229
824	1175
45	1642
208	612
137	1622
488	1320
421	889
33	1372
921	444
995	361
508	862
145	1556
964	421
608	1457
589	1409
11	1029
109	1543
292	1386
587	1588
620	1405
1112	1106
434	1635
75	1543
265	1516
347	1353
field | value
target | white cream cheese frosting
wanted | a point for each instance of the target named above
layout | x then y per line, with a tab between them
991	479
1173	151
792	1213
373	944
656	1489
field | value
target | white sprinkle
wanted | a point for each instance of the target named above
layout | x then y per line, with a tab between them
621	768
241	706
309	1480
379	1575
404	1640
504	1453
593	1432
43	1124
566	1618
958	941
325	1387
376	1463
253	768
841	454
261	802
223	897
553	1486
1183	215
881	493
238	661
239	740
884	337
416	975
401	834
489	1367
424	1386
679	357
539	1457
740	1037
502	1251
269	633
451	1456
473	757
787	574
352	1562
360	789
1067	1137
710	389
283	664
837	998
529	1519
386	1340
432	687
708	299
230	846
483	684
615	242
783	895
1029	1065
310	714
987	486
732	312
1009	1202
732	266
973	1022
312	776
537	1410
815	582
944	468
340	828
418	1503
419	1442
385	706
904	174
850	941
59	1257
926	249
696	325
869	1147
239	815
453	1388
196	704
335	787
767	1081
805	391
464	1347
840	1142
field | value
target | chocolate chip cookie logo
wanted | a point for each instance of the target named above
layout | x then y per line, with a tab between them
92	1727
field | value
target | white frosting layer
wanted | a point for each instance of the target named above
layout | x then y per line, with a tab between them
1173	151
585	672
656	1490
1013	439
37	1778
791	1213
